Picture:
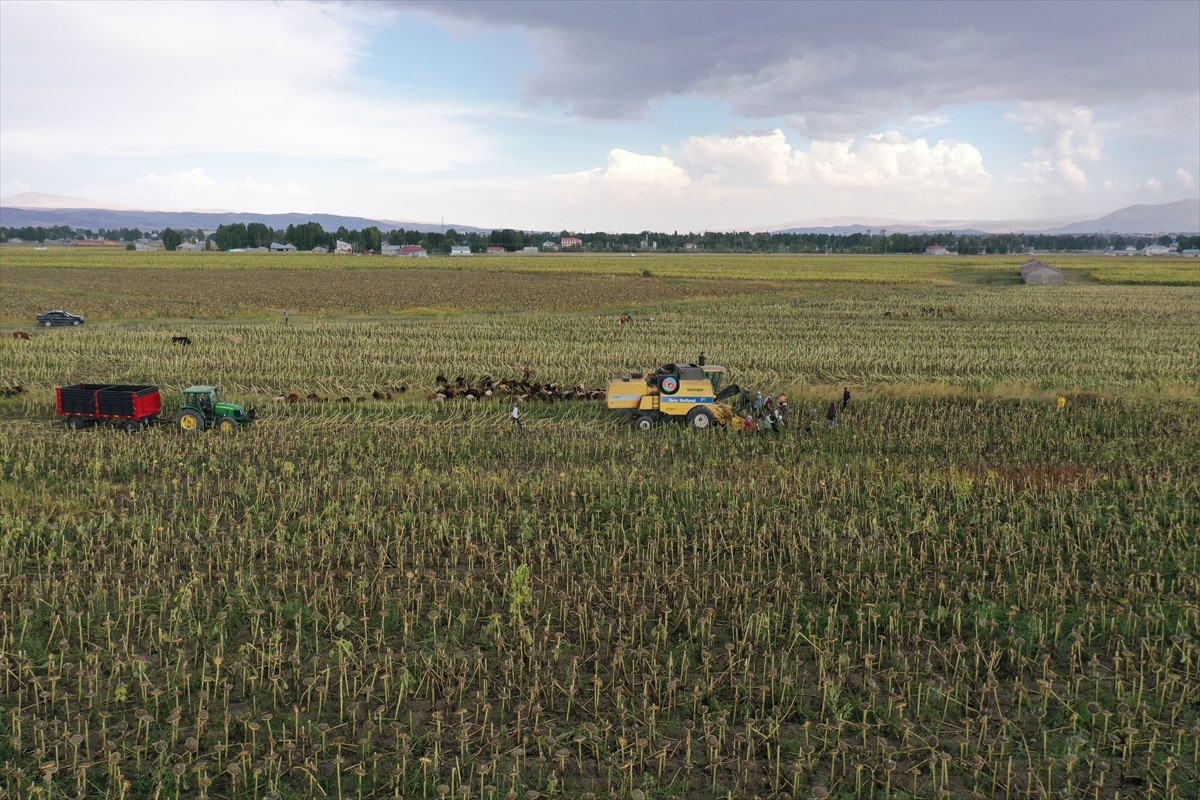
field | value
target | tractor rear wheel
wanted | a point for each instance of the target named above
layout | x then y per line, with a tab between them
643	422
190	420
700	418
227	425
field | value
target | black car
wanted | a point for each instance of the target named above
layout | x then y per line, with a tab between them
59	317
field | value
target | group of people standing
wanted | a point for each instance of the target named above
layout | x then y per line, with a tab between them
771	414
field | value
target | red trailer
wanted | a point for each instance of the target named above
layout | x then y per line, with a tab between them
86	404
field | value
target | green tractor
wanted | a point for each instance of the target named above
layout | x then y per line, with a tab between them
202	408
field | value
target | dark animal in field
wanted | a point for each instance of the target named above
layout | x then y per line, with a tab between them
9	391
183	340
485	388
21	335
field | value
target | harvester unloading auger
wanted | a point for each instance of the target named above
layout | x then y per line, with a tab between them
674	392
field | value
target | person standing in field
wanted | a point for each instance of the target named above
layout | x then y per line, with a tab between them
516	417
286	318
845	398
1062	401
527	373
700	361
831	415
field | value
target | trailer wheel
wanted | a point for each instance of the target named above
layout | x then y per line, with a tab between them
190	420
700	418
643	422
76	423
227	425
132	425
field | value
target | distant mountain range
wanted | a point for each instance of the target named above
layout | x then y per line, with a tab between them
1180	217
33	209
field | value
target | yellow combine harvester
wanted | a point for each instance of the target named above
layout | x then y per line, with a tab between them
674	392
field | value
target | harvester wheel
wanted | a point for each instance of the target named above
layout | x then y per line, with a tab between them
190	420
643	422
700	418
227	425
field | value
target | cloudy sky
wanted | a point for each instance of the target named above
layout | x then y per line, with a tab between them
618	116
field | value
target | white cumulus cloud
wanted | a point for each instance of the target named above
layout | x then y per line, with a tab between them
1069	139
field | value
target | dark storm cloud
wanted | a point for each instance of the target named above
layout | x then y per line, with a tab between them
831	68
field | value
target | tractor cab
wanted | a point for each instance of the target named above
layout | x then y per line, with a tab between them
204	398
202	408
715	375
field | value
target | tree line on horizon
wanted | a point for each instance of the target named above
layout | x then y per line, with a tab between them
310	235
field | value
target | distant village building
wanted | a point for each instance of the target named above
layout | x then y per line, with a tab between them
460	250
550	246
571	241
529	249
1156	250
277	247
343	248
936	250
1036	273
188	247
320	249
1191	252
406	250
492	248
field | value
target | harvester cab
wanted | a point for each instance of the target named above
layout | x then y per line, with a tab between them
202	408
676	391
